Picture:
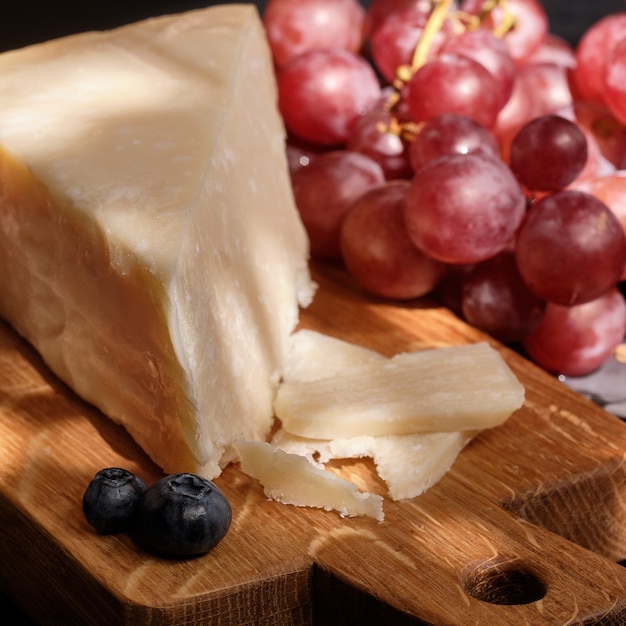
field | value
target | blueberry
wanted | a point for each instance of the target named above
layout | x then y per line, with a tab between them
183	515
111	500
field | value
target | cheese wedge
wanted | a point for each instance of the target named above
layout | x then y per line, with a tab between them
439	390
150	248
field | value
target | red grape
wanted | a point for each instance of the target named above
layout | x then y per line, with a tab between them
449	134
611	190
449	290
608	132
464	208
530	30
388	149
491	52
377	250
554	49
395	37
452	83
576	340
516	112
592	53
615	81
297	26
539	89
530	27
326	189
548	153
322	93
596	164
570	248
549	85
496	299
378	10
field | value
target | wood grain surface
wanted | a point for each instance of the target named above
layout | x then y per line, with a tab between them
526	528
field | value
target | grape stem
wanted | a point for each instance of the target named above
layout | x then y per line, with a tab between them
508	19
433	26
473	22
438	16
436	20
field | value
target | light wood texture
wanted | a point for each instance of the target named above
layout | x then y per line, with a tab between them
525	529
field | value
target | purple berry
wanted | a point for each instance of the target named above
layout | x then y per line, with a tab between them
111	500
183	515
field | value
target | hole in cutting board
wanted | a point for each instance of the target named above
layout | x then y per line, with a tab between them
502	580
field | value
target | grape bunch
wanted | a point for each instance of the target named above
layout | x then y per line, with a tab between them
459	149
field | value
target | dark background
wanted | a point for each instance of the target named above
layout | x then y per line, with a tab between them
28	21
31	21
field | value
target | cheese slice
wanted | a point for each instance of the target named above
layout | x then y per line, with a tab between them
150	248
292	479
466	387
408	464
314	355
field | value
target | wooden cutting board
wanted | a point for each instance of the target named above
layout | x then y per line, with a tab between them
526	528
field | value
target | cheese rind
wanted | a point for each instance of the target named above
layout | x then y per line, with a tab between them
150	248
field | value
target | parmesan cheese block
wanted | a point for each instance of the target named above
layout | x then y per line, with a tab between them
150	248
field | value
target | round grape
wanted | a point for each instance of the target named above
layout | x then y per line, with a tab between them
615	81
554	49
297	26
609	134
611	190
548	84
464	208
378	10
592	53
570	249
385	147
449	290
322	93
450	134
452	83
530	27
325	190
576	340
496	299
596	164
491	52
518	111
396	35
548	153
377	250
